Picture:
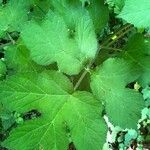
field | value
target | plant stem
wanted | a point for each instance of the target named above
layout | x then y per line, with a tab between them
120	33
85	72
111	48
82	77
11	39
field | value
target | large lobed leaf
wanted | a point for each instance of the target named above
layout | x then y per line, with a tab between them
50	42
109	82
65	117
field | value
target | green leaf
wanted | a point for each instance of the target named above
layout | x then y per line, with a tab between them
137	51
117	5
39	9
136	13
3	68
18	59
85	37
56	46
99	14
65	117
108	83
7	119
130	136
13	15
72	11
146	95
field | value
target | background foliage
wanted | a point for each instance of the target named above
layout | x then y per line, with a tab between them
74	74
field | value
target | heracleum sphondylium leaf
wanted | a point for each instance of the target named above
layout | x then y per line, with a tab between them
136	12
56	45
61	112
108	83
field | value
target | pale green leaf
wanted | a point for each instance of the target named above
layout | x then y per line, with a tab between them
136	12
56	45
71	12
109	82
85	37
65	117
